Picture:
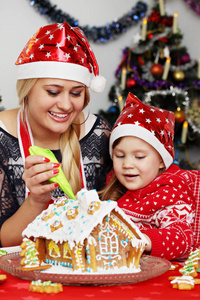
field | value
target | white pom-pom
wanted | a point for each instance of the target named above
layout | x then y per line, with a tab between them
98	84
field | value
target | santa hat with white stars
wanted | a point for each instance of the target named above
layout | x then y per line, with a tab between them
152	124
60	51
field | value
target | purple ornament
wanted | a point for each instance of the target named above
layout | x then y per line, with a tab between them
185	58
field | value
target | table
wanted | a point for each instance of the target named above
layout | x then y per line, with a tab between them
155	288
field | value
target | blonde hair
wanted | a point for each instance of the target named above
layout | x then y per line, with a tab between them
114	190
69	141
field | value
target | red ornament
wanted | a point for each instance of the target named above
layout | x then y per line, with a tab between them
149	36
156	70
179	115
130	83
141	60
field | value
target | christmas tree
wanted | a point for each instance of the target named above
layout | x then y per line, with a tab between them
160	71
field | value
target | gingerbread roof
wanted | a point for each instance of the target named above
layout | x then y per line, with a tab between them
73	220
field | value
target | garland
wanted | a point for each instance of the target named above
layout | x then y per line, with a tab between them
194	5
101	34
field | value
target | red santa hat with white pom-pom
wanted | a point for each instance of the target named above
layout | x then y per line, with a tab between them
60	51
152	124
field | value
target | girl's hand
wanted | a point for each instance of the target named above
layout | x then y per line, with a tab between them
37	171
148	247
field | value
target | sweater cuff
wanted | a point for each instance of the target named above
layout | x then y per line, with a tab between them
155	241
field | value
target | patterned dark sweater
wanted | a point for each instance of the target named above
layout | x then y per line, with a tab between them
96	161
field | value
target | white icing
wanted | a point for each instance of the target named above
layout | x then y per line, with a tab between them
74	230
64	270
184	279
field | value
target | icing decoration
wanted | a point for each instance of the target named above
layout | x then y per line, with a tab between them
47	287
61	201
72	213
67	251
47	215
56	225
3	252
93	206
54	250
29	254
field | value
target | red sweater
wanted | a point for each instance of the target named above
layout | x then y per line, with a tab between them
164	211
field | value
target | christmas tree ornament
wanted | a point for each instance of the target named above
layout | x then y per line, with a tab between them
166	68
141	60
162	7
185	58
123	78
179	115
184	132
120	102
131	83
156	70
149	36
144	29
175	23
113	109
194	115
179	75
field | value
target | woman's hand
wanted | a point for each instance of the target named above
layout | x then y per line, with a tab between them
37	171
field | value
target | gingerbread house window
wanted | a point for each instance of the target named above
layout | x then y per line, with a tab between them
108	242
54	250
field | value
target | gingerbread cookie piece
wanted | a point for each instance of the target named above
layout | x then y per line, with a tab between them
173	267
46	287
93	206
183	283
47	215
3	278
188	270
30	260
72	213
56	225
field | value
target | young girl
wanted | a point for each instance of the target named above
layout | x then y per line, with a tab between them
146	185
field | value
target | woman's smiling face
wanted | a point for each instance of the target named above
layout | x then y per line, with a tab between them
53	104
136	163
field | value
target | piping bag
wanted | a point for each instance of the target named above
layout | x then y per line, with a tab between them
60	177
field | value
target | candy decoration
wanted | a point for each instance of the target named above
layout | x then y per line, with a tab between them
60	177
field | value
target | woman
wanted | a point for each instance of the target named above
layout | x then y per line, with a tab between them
54	73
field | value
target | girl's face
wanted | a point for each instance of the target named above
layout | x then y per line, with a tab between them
136	163
54	104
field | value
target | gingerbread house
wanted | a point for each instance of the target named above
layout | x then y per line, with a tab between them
87	235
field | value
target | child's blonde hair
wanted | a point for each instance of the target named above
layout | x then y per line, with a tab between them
69	141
